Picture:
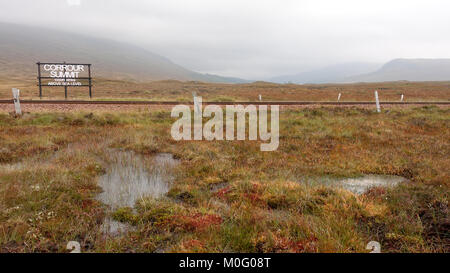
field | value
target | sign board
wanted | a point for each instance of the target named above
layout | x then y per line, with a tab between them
64	75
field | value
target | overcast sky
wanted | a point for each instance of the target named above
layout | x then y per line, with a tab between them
254	39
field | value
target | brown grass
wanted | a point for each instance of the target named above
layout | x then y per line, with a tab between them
230	196
182	91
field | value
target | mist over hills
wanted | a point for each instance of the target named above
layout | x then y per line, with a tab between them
395	70
329	74
408	70
22	46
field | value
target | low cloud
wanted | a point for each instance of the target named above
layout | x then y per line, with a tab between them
253	39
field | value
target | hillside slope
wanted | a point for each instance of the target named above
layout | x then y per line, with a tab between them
408	70
22	46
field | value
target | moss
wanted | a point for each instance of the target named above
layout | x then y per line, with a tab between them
125	215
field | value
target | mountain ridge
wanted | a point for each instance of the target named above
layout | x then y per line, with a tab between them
22	46
328	74
402	69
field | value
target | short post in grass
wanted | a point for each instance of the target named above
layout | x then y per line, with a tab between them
401	98
377	102
16	94
198	127
196	105
260	98
339	97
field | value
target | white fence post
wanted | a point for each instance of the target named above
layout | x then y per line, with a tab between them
339	97
260	98
377	102
196	106
16	95
401	98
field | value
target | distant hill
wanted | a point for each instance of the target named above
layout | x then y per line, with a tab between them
408	70
22	46
395	70
329	74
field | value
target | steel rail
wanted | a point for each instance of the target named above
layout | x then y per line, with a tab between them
131	102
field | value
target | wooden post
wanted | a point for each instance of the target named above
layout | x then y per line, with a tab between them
16	95
401	98
339	97
90	81
196	105
39	79
377	102
260	97
65	83
198	122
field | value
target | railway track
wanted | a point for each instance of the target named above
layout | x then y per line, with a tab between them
127	102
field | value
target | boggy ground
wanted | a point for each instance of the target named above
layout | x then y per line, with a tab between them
228	196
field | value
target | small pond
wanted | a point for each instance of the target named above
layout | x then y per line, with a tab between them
130	177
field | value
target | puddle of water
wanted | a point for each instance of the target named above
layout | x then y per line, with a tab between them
358	185
362	184
131	177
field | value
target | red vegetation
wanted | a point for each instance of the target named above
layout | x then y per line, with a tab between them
307	245
196	222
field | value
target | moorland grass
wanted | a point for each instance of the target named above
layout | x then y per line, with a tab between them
228	196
